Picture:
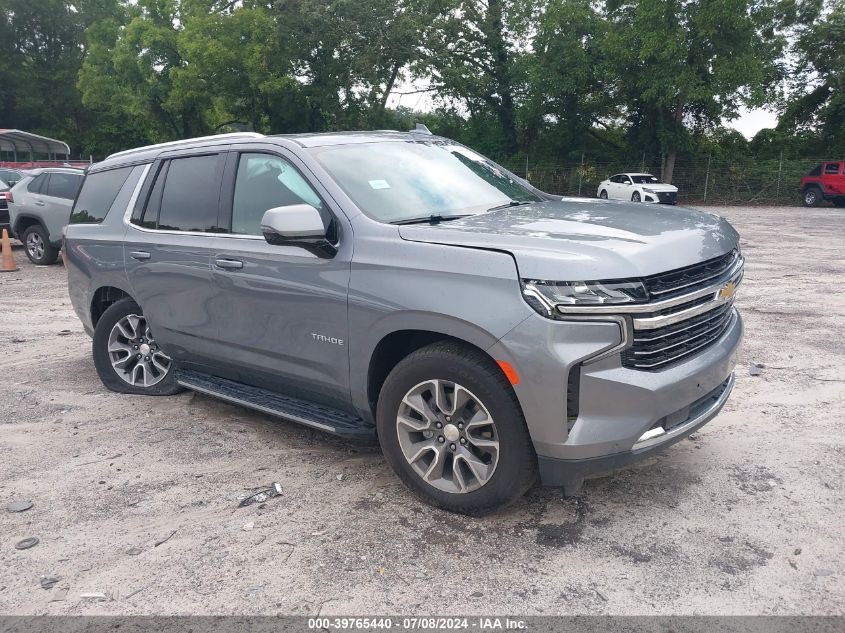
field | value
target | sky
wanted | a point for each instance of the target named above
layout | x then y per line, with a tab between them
752	121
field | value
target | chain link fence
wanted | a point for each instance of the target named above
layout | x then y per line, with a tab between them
707	180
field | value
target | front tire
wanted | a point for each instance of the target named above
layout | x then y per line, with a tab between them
451	428
839	202
603	194
37	246
126	355
635	197
812	197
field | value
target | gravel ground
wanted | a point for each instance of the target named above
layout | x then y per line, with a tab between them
136	497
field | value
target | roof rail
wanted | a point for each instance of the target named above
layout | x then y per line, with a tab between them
231	135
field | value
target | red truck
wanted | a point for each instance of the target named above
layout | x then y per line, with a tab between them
824	182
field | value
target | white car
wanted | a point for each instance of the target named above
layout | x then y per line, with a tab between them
637	188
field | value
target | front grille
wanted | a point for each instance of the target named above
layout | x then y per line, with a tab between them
690	278
667	197
657	348
653	347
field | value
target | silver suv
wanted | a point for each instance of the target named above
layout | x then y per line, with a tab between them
39	208
401	286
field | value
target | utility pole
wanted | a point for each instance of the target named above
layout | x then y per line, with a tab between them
707	177
780	169
581	173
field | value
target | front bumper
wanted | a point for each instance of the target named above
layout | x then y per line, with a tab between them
571	473
661	197
623	414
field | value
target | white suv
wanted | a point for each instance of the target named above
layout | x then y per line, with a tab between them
637	188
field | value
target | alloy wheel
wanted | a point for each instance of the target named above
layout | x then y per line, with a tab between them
810	198
134	353
447	436
35	245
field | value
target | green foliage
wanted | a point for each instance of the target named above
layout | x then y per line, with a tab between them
818	76
523	80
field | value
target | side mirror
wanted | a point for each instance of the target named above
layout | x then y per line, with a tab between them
297	225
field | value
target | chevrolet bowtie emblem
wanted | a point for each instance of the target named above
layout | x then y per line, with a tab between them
727	291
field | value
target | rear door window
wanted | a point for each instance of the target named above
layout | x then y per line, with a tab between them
191	193
831	169
63	186
97	195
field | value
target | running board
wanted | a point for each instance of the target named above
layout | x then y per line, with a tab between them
307	413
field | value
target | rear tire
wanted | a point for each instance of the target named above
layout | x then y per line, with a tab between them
126	355
812	197
37	246
476	408
839	202
635	197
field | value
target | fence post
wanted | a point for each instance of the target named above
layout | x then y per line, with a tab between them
707	178
780	169
642	166
581	173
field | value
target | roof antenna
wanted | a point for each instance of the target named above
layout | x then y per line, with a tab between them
420	128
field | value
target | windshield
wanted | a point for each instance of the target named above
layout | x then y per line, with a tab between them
645	179
395	181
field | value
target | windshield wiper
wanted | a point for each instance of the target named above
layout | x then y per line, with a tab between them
509	203
433	218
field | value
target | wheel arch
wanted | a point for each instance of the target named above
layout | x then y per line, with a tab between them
102	298
23	222
393	346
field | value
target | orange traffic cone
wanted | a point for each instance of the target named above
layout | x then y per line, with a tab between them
8	264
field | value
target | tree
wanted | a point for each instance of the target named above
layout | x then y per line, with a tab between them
133	69
569	78
40	54
690	63
348	55
471	58
818	75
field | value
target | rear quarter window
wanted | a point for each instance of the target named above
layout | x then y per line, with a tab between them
816	171
36	184
98	192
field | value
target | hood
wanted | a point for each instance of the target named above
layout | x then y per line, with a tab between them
582	240
660	186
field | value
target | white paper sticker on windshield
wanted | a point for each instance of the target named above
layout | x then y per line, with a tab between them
379	184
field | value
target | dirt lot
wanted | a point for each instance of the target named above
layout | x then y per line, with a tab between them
136	497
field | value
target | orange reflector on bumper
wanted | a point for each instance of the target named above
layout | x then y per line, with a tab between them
510	372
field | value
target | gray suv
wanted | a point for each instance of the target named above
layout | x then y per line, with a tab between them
39	208
400	286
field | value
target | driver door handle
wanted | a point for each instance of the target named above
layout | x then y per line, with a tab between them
39	203
229	264
139	255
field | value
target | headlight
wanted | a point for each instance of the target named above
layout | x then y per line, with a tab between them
544	296
649	190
